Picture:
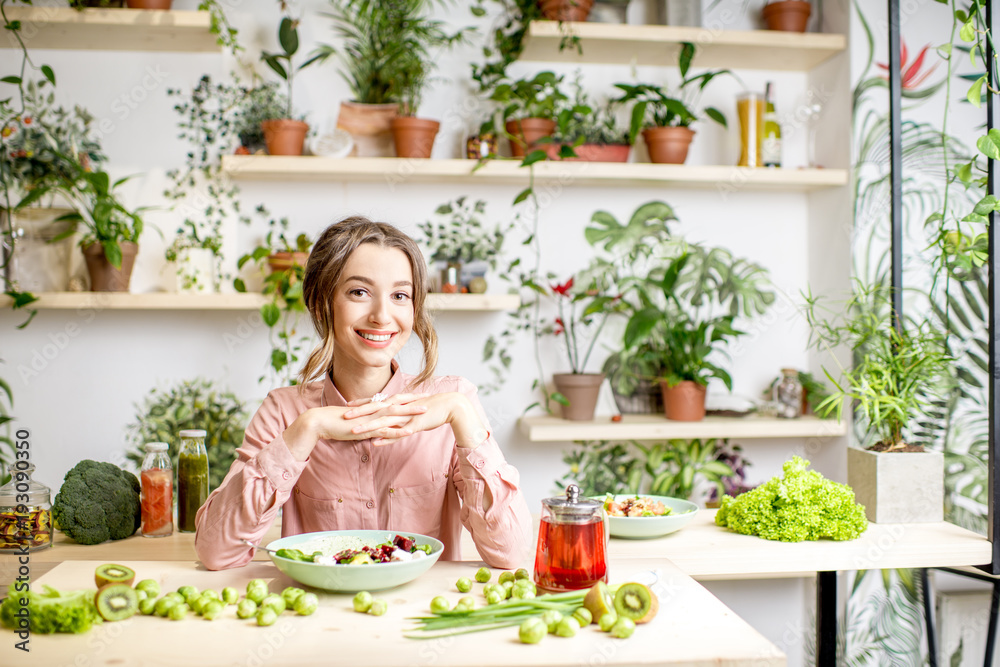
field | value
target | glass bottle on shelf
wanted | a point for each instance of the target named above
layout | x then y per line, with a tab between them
25	511
157	480
770	143
787	394
192	478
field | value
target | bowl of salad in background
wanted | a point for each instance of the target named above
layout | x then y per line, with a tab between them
660	516
309	559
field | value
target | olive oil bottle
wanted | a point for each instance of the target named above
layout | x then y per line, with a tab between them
770	145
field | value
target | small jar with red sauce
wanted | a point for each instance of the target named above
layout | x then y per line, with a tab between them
572	549
157	480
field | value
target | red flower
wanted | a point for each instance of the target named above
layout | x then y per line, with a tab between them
911	75
563	290
560	326
27	120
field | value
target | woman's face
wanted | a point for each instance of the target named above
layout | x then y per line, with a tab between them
373	307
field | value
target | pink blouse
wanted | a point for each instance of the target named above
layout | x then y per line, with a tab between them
420	484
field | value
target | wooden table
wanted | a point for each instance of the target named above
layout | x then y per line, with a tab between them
692	628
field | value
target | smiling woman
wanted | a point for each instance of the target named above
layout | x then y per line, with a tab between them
359	444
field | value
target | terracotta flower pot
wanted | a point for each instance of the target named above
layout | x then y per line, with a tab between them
668	145
414	137
370	125
787	15
149	4
282	261
103	276
527	131
581	390
284	137
591	152
684	402
566	10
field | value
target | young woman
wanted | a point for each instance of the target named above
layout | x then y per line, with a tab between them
359	444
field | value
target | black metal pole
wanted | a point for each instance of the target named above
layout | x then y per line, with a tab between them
826	619
929	618
896	163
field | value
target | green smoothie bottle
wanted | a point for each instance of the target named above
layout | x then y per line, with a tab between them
192	478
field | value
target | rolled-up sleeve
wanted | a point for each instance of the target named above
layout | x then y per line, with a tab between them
502	533
247	502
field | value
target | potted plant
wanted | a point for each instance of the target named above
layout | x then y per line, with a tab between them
665	116
197	252
566	10
285	135
387	49
898	367
111	231
787	15
285	262
191	404
459	236
688	308
252	107
588	132
529	109
43	149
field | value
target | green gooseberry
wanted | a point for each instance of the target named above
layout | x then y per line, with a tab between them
551	618
164	604
467	601
483	575
256	590
440	604
246	608
362	602
290	594
198	604
275	601
494	597
623	628
306	604
521	574
140	594
178	612
151	586
567	627
583	617
464	585
506	576
378	607
147	606
607	621
212	610
210	594
176	597
187	591
266	616
532	630
230	595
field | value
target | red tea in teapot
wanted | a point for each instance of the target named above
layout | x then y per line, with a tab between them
570	556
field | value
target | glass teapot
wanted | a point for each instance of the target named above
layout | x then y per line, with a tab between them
572	549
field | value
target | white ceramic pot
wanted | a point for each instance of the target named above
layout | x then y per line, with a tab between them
196	271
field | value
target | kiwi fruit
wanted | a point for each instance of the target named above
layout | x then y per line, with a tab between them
116	602
110	573
598	600
637	602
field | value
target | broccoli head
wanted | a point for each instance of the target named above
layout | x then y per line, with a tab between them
98	501
51	611
801	505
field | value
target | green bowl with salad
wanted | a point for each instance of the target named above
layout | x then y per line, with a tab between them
347	561
642	517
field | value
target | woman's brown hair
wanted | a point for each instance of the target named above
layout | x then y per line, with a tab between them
323	273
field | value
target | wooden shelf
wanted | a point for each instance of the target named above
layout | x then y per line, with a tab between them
174	301
400	171
658	45
656	427
113	29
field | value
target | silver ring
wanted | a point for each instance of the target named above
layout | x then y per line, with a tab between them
379	397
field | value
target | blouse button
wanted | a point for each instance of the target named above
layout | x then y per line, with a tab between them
285	475
370	504
364	458
480	464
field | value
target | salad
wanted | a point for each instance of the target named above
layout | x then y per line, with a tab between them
399	548
635	507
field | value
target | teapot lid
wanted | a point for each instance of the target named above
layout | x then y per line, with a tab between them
572	507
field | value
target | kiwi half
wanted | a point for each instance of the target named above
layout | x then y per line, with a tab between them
598	601
637	602
111	573
116	602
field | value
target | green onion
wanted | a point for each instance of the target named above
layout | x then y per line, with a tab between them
500	615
